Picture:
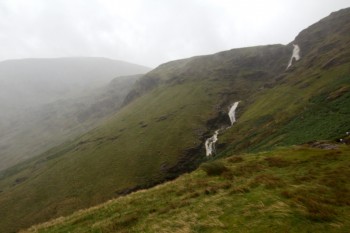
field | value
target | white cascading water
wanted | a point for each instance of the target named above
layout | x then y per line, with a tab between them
210	142
295	55
232	112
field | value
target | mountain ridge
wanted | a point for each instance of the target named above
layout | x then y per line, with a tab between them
174	71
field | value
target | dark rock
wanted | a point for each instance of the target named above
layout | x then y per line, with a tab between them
322	145
20	180
188	162
162	118
143	85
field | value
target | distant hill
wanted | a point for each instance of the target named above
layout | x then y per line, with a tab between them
26	83
39	128
44	102
168	115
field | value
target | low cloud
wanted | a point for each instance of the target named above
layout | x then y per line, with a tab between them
150	32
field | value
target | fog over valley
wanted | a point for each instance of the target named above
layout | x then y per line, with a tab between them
44	102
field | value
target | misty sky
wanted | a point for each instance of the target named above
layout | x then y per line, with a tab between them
150	32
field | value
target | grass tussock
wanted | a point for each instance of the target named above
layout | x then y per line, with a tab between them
235	159
119	224
311	204
267	180
215	188
249	168
240	189
319	197
275	161
214	168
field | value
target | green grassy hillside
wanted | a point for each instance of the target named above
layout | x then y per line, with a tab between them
160	132
310	101
294	189
154	138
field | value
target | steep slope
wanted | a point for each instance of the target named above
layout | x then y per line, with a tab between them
160	131
295	189
39	93
309	101
249	65
43	127
155	137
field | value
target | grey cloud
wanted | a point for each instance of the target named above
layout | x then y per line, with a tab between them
150	32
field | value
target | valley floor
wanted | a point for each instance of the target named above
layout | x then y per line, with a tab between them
303	188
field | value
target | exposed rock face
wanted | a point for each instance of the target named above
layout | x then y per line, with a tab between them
143	85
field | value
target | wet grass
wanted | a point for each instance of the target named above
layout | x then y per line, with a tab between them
295	189
294	115
214	168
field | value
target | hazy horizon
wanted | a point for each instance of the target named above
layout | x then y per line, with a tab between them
150	32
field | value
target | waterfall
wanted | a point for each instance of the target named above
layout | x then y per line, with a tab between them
210	142
295	55
232	112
